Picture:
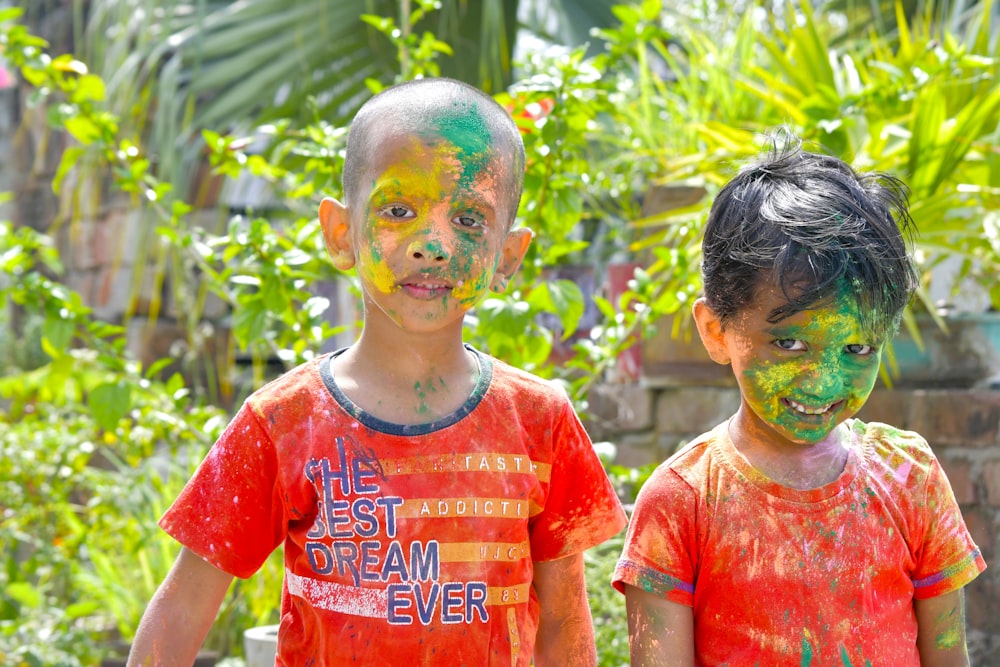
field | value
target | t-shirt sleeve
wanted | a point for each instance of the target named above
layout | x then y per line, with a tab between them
947	558
230	512
581	509
660	550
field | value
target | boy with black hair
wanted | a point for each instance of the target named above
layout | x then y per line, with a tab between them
793	534
433	503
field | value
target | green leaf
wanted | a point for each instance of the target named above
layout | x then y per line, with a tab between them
83	129
81	609
272	292
89	87
564	299
108	403
69	159
10	13
58	330
24	593
250	321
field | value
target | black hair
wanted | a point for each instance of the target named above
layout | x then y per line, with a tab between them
809	223
415	105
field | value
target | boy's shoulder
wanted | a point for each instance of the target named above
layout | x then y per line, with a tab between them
306	377
893	451
522	383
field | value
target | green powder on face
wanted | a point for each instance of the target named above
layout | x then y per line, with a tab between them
463	126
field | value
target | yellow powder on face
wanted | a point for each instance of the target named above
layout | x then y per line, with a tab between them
428	174
381	276
416	178
470	290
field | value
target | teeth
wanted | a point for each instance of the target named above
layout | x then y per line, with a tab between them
798	407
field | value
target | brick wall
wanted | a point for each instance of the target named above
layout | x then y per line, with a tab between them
963	426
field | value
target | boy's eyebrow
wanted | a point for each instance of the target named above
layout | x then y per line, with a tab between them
464	197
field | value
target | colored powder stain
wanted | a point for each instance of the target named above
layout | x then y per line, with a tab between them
380	275
844	658
421	394
435	248
950	638
807	651
464	127
376	271
474	283
469	291
773	378
422	389
412	177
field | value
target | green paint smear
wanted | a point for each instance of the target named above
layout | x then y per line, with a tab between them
807	652
464	127
950	638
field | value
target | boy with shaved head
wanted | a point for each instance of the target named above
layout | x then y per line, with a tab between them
433	503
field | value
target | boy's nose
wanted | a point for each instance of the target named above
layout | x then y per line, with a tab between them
428	249
820	379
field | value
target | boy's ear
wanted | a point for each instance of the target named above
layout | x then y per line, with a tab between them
710	331
514	248
334	219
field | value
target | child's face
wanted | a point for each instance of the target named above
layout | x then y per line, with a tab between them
806	374
431	232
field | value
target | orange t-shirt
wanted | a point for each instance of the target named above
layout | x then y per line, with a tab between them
779	576
402	544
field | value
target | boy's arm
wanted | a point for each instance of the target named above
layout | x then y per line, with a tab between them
660	632
941	630
180	614
565	628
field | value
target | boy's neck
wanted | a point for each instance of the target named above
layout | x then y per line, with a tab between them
410	382
797	466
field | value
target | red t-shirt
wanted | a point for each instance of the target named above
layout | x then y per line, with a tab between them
779	576
402	544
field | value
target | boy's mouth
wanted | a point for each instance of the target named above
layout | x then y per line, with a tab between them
807	410
425	288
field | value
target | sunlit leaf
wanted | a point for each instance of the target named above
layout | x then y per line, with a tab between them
108	403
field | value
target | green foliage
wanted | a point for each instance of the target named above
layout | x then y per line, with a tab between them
607	606
417	54
79	433
92	450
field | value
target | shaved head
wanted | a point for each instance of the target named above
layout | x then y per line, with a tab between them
482	132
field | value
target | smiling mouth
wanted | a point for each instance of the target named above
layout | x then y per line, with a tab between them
807	410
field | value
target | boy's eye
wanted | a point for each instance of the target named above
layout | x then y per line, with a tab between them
790	344
859	349
466	221
397	211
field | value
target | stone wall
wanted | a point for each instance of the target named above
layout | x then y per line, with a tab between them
647	424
